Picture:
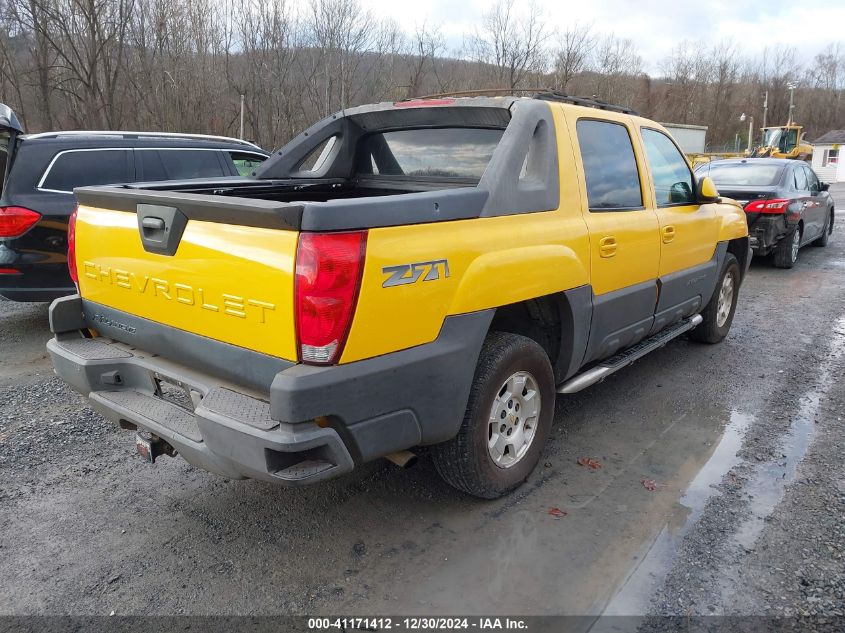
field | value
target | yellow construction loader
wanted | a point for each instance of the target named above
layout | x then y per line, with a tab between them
785	141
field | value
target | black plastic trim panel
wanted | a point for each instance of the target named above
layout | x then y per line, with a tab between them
266	214
229	362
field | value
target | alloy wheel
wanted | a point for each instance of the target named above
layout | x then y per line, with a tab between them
513	419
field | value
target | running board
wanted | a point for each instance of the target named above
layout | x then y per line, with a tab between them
625	358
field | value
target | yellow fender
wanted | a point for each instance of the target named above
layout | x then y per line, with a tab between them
505	277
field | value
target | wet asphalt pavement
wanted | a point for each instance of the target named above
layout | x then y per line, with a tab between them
721	491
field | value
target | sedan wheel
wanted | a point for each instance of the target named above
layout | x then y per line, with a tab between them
786	251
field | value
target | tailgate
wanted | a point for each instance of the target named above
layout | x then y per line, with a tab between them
226	281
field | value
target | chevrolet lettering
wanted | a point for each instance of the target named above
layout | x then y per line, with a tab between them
230	304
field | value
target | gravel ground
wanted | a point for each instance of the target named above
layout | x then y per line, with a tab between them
742	441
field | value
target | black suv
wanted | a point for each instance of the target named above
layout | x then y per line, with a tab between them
38	173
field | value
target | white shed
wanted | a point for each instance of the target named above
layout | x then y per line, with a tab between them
690	138
828	162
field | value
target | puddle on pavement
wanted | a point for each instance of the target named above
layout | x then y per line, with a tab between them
636	591
767	485
765	488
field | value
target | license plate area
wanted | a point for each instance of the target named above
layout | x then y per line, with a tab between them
144	447
176	392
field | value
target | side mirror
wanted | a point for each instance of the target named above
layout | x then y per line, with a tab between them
680	192
707	191
823	186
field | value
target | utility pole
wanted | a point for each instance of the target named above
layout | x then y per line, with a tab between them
791	87
742	118
242	118
765	108
750	133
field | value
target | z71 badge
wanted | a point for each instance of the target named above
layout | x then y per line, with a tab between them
411	273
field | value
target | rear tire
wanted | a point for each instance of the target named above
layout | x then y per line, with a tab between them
510	409
718	314
786	251
828	231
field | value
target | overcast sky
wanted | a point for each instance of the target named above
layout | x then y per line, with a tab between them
655	26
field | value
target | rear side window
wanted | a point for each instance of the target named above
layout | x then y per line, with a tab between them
179	164
672	177
801	179
82	168
430	153
812	180
610	167
245	163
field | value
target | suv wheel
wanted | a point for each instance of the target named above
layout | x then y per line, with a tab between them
786	251
718	314
508	419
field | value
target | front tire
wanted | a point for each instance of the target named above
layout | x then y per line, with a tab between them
718	314
507	422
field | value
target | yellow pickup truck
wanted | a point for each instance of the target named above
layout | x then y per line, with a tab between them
426	272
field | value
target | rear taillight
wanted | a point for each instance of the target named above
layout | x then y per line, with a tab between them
328	276
16	221
767	206
71	247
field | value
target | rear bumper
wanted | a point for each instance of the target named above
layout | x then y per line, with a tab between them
310	424
766	231
40	258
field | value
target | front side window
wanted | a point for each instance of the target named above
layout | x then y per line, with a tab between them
610	167
83	168
672	178
429	153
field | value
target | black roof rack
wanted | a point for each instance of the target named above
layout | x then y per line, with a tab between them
590	102
480	92
543	94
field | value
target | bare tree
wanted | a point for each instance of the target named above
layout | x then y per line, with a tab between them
511	44
573	56
616	66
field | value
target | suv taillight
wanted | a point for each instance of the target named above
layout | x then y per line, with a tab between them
71	246
15	221
767	206
328	276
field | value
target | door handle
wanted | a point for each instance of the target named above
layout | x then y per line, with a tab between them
607	246
668	234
